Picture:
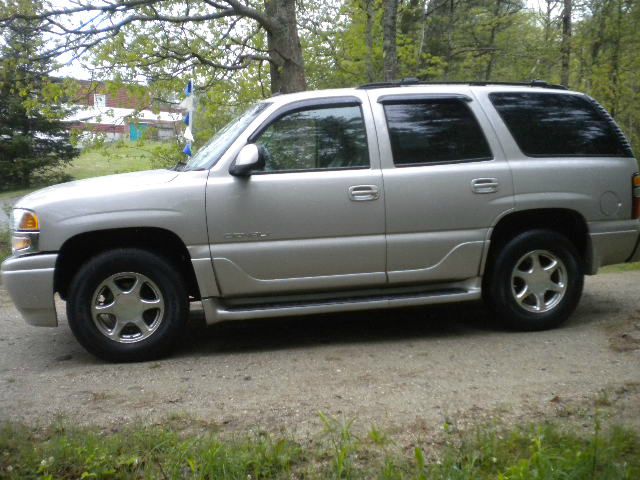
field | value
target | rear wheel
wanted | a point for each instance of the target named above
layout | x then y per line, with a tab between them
127	305
535	281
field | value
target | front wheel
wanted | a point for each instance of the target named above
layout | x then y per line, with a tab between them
127	305
535	281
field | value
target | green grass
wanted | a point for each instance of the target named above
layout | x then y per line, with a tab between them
5	243
108	159
533	452
15	193
622	267
119	157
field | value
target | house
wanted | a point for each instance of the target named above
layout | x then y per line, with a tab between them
126	112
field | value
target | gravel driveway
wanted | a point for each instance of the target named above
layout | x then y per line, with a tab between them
403	370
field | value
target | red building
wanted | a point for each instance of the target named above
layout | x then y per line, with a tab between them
124	112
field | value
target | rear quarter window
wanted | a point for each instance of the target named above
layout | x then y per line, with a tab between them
557	125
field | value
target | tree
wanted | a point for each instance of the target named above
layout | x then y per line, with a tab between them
148	35
33	140
390	40
566	42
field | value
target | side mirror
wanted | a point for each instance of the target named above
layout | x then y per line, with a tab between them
248	159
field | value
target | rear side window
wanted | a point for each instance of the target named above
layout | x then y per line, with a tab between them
552	125
429	132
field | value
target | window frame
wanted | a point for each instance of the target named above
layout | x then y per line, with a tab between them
589	101
306	105
102	103
413	99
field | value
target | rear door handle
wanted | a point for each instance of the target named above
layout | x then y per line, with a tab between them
485	185
363	193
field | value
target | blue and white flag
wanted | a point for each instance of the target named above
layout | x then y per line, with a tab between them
188	104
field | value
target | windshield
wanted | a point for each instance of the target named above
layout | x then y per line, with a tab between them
211	152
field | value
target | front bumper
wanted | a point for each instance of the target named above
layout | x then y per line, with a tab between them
29	282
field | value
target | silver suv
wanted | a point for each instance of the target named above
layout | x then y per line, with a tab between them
338	200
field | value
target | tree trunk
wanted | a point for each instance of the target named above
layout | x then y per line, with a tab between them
369	34
565	48
285	51
389	46
488	71
615	60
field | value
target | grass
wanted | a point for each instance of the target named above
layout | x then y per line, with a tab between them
622	267
538	451
118	157
5	243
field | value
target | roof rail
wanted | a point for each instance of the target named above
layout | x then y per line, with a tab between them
415	81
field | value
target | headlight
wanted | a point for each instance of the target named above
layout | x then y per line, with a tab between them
24	220
25	231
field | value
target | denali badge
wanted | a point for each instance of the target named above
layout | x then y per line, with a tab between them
245	236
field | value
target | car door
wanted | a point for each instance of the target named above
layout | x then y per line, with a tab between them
313	219
446	183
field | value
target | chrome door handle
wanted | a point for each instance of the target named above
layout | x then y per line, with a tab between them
362	193
485	185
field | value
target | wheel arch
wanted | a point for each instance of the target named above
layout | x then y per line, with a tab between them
78	249
567	222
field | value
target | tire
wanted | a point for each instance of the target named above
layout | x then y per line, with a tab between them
127	305
532	296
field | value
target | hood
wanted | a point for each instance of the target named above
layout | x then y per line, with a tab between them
96	187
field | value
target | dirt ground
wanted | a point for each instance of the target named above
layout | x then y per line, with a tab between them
407	370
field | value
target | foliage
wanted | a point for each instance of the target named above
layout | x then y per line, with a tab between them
536	451
5	243
34	143
342	45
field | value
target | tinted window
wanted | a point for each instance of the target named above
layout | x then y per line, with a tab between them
326	138
547	124
434	131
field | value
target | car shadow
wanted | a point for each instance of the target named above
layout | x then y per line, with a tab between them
383	325
387	325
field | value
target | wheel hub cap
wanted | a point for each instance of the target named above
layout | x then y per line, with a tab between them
127	307
539	281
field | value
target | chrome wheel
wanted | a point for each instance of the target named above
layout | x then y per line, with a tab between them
539	281
127	307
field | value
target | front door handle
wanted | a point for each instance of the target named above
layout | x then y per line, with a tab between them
485	185
363	193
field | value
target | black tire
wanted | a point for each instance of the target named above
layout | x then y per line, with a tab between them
500	289
171	319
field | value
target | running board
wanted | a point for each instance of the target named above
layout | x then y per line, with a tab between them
215	311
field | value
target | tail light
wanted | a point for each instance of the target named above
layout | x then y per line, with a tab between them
636	196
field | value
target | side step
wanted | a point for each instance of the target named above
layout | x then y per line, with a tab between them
215	311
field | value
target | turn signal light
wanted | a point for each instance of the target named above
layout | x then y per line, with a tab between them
25	220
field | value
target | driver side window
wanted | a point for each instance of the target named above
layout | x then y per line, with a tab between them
316	139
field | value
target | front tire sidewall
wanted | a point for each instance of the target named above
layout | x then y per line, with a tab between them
87	280
500	289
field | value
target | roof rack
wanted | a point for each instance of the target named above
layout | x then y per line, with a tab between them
477	83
